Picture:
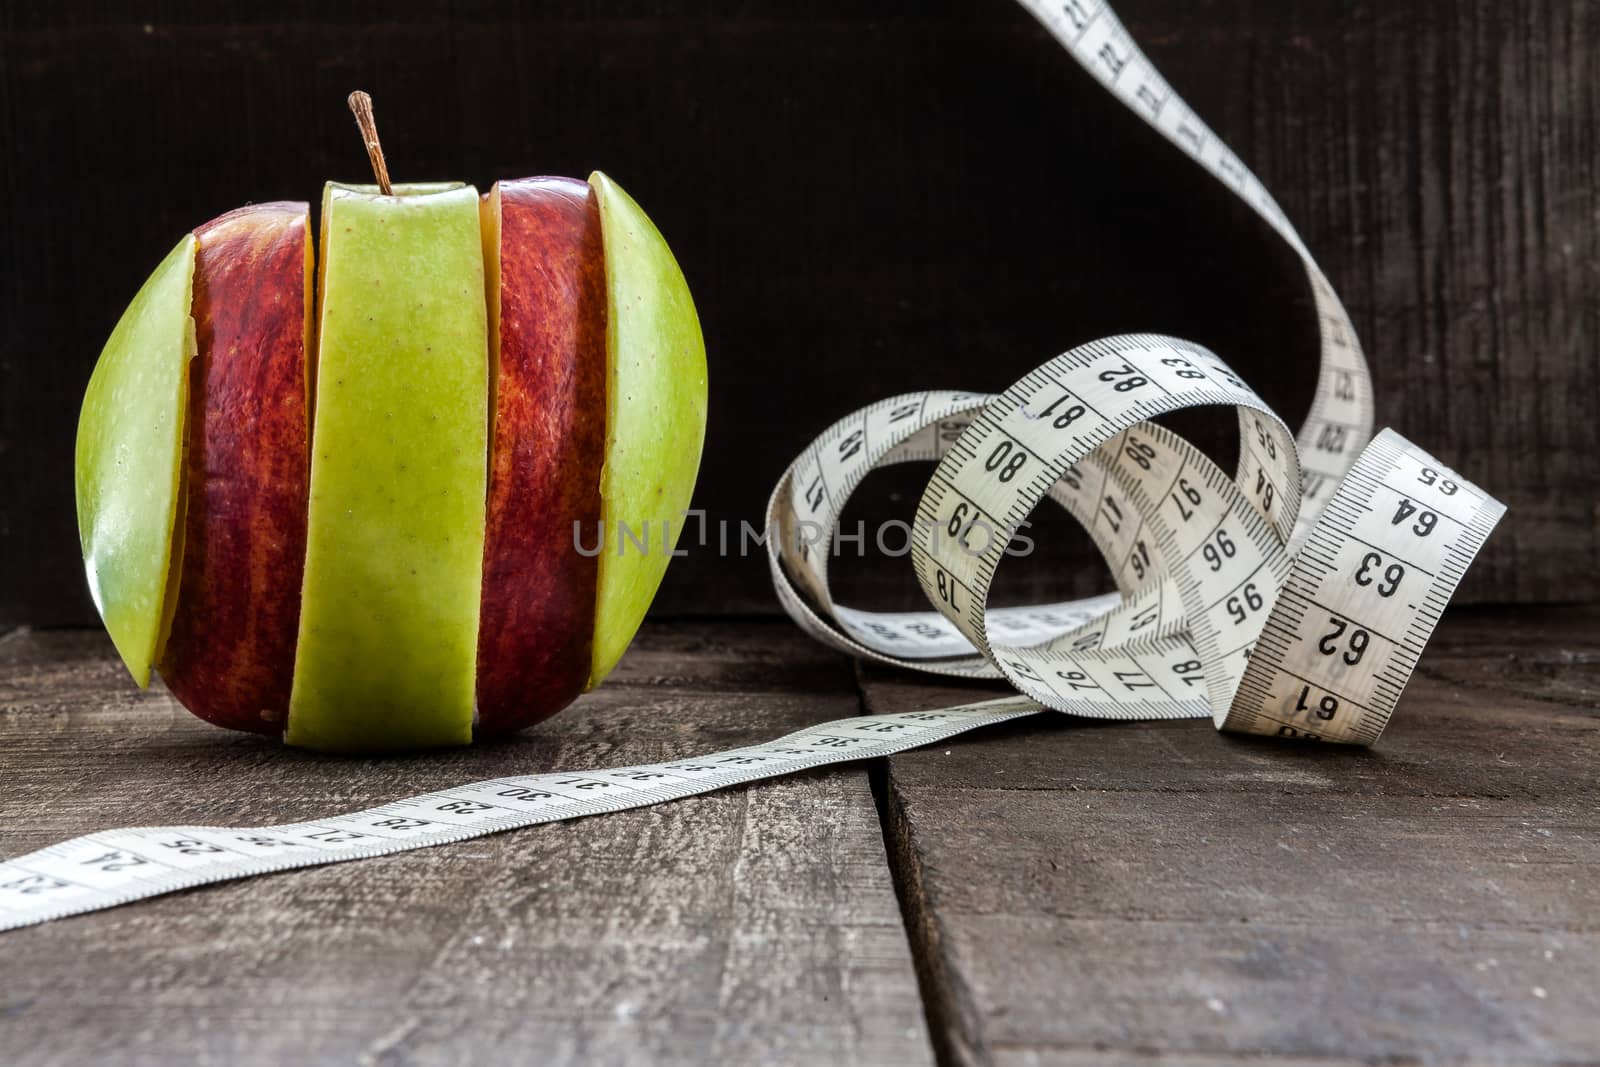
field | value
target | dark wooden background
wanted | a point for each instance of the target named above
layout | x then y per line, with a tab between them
869	198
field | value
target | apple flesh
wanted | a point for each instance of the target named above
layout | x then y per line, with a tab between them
229	655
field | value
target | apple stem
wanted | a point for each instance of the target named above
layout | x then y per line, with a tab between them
361	104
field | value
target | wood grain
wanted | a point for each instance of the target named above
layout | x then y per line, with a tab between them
1093	893
1074	893
752	926
868	199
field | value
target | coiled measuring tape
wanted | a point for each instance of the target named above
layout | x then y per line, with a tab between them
1291	598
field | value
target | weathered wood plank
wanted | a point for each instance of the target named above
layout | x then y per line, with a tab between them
1094	893
754	926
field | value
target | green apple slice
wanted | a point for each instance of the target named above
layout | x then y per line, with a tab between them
655	417
130	461
394	547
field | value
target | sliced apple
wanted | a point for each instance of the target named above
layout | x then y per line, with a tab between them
655	417
130	458
394	547
547	315
369	579
229	656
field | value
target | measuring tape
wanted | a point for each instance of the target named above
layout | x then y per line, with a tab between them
1291	598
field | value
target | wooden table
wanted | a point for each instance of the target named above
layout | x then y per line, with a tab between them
1050	891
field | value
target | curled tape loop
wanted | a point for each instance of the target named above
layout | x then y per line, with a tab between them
1223	609
1291	598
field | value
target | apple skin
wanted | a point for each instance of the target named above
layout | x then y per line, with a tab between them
129	462
548	369
229	656
387	649
655	417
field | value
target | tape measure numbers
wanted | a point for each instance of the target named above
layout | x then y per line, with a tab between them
1290	598
1218	588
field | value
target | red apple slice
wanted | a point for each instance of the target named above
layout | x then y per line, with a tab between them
229	657
547	321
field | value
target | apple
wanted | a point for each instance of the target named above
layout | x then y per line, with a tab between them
394	526
543	248
129	461
342	509
655	415
229	654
